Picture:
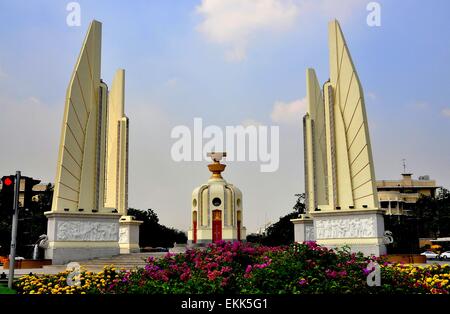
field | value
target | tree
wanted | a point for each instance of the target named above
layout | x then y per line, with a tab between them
434	214
281	232
431	219
300	206
32	224
405	233
152	233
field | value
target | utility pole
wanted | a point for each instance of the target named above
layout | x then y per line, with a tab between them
12	254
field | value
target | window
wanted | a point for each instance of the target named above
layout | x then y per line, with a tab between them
216	201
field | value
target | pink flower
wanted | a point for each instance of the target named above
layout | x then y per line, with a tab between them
213	274
226	269
224	282
185	276
303	282
331	274
248	269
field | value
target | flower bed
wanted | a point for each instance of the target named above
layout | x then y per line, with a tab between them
239	268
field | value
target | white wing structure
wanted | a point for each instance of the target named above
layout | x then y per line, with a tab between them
117	149
75	184
341	196
355	186
314	138
339	170
92	169
90	200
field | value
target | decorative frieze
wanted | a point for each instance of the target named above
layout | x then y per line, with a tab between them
74	230
346	227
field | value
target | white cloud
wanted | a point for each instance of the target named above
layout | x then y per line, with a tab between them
446	112
232	22
332	9
290	112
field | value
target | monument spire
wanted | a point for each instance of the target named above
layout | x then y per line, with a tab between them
216	167
91	184
341	194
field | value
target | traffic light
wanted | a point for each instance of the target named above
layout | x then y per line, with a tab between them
7	192
28	191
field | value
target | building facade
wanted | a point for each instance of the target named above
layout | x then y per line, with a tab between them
398	197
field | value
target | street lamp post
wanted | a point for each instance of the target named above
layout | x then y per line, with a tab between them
12	254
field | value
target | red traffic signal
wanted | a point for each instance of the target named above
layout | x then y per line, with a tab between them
7	181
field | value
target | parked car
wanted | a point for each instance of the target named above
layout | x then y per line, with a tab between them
445	255
430	255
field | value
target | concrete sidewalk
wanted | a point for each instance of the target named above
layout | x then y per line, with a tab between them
124	261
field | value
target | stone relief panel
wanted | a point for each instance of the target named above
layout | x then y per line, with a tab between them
356	227
87	231
309	233
124	235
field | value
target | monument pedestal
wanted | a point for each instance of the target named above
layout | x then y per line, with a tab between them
81	236
303	229
362	230
129	235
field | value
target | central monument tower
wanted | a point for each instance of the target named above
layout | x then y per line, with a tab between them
216	208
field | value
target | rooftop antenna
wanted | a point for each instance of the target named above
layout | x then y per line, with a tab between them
404	165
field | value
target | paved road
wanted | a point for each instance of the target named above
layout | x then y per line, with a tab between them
436	261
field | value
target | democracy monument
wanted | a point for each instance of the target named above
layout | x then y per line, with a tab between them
88	218
341	197
89	210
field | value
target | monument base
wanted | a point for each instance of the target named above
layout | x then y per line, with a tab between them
78	236
360	229
303	229
129	235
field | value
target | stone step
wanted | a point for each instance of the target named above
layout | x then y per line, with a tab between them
112	261
127	261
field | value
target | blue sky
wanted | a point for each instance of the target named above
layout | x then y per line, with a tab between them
183	60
